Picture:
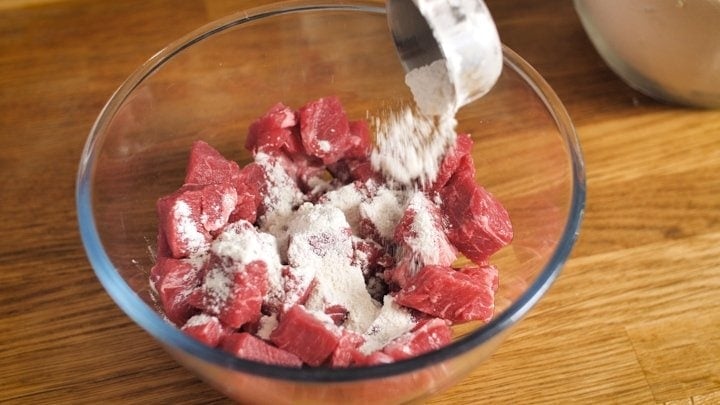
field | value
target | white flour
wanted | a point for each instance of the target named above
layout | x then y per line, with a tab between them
392	322
432	89
410	142
384	210
428	235
242	243
347	198
268	323
188	228
321	244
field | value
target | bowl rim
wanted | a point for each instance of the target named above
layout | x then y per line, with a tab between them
171	337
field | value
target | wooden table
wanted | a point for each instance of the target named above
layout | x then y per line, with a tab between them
634	317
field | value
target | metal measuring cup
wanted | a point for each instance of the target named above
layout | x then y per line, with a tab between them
460	31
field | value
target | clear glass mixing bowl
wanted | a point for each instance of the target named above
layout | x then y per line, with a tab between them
213	82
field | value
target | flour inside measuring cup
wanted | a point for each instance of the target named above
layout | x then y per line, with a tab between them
410	142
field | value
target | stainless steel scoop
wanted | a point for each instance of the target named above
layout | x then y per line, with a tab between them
460	31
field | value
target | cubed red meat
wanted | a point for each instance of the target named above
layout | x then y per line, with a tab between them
273	132
449	294
360	141
189	215
456	160
347	349
234	292
206	329
249	347
486	275
180	221
218	202
325	129
303	334
432	335
479	224
207	166
174	282
250	186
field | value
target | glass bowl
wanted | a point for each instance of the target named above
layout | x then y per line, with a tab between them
212	83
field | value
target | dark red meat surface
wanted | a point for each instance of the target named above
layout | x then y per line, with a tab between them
450	294
479	224
210	331
347	350
250	187
235	292
207	166
249	347
174	281
301	333
430	336
325	129
457	160
273	132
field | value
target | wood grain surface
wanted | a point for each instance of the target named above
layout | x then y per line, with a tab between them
633	318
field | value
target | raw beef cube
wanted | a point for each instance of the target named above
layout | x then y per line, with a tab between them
207	166
479	224
449	294
325	130
303	334
180	221
359	140
234	292
206	329
174	282
250	186
421	230
273	132
248	347
218	202
458	159
188	215
430	336
486	275
347	349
